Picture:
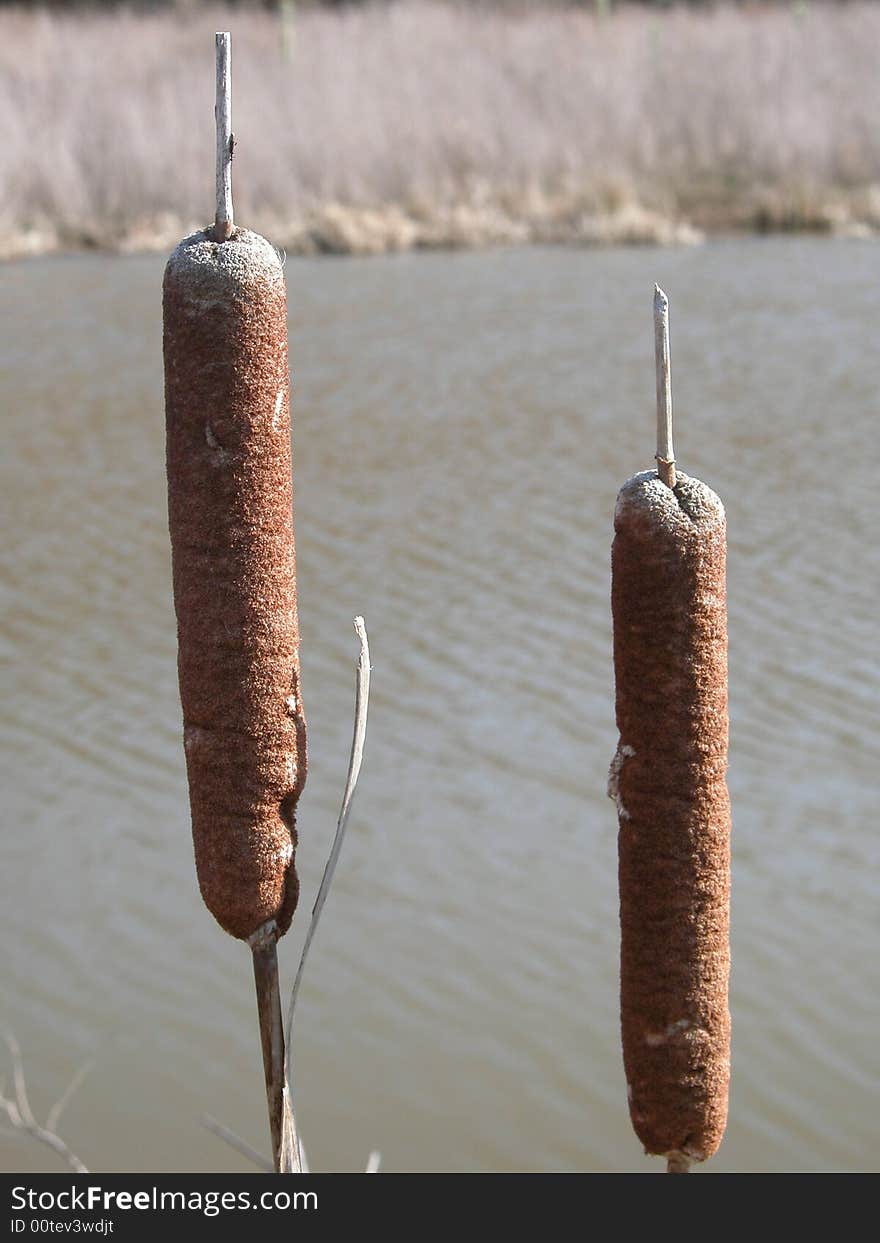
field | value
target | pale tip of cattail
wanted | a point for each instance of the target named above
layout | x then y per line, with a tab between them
692	502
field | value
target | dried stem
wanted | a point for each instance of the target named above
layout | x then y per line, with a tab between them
264	947
21	1116
236	1142
287	1153
665	451
291	1144
362	701
224	220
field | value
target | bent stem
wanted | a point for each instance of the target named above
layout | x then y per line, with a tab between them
362	703
292	1148
287	1156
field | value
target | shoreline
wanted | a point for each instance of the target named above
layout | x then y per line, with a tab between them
388	127
338	229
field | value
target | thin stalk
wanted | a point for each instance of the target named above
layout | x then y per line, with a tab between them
264	950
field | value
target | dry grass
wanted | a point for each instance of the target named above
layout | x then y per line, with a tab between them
423	124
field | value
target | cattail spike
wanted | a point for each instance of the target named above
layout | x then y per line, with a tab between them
668	781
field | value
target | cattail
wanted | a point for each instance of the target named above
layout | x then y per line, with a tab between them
668	780
227	393
229	492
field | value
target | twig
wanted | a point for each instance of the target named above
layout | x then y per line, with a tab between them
65	1097
665	451
224	220
21	1116
235	1141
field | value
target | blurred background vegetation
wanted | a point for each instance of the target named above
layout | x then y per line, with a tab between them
601	6
373	126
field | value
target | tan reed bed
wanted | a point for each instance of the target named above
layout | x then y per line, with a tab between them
227	400
668	778
422	124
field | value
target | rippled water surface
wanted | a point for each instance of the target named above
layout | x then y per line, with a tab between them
462	425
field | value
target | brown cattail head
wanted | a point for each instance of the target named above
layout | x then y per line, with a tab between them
668	779
227	403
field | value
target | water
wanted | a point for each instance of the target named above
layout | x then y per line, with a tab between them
461	427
